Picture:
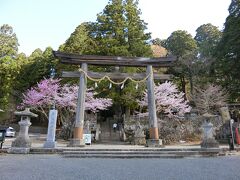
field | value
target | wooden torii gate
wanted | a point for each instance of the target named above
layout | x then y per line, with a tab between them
84	60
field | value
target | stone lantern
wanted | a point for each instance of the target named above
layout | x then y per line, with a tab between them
208	133
22	143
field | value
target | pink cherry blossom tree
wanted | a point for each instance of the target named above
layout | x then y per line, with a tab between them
49	92
169	100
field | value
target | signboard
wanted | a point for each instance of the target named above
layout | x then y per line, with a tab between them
87	138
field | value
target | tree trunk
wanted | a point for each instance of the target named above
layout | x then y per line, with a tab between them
183	84
191	83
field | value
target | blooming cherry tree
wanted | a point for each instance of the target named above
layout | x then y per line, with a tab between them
168	100
50	92
42	95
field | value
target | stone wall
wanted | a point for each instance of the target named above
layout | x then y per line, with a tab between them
171	130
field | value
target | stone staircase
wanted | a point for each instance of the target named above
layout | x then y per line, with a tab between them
140	153
108	135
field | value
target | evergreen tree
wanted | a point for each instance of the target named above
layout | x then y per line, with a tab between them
80	41
181	44
120	31
8	41
228	53
137	39
9	67
207	37
111	29
36	67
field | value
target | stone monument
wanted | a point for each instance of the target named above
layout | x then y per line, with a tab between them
52	120
139	136
224	111
22	143
208	137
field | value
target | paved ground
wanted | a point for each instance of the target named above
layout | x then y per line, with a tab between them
55	167
39	139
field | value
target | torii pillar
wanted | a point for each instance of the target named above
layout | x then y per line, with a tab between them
78	140
154	140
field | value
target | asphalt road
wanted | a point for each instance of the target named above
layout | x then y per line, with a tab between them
55	167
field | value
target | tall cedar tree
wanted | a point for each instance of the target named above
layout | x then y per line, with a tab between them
111	29
80	41
8	64
228	54
120	31
137	39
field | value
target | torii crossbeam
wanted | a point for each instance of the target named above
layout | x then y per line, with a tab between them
84	60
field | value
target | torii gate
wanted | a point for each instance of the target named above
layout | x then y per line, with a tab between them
84	60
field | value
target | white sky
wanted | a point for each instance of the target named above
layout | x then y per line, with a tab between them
165	16
42	23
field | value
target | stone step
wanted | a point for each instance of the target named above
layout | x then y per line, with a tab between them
138	153
111	137
122	156
88	152
148	149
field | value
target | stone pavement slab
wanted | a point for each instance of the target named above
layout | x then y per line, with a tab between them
39	139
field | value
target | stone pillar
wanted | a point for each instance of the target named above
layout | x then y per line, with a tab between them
208	138
153	124
78	139
52	120
97	132
22	143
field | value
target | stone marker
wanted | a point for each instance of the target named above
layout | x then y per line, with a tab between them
51	143
22	143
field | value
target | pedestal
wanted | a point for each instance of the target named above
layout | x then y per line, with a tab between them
22	143
208	138
78	140
23	139
77	143
51	143
154	143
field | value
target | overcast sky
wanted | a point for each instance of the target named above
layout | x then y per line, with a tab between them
42	23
